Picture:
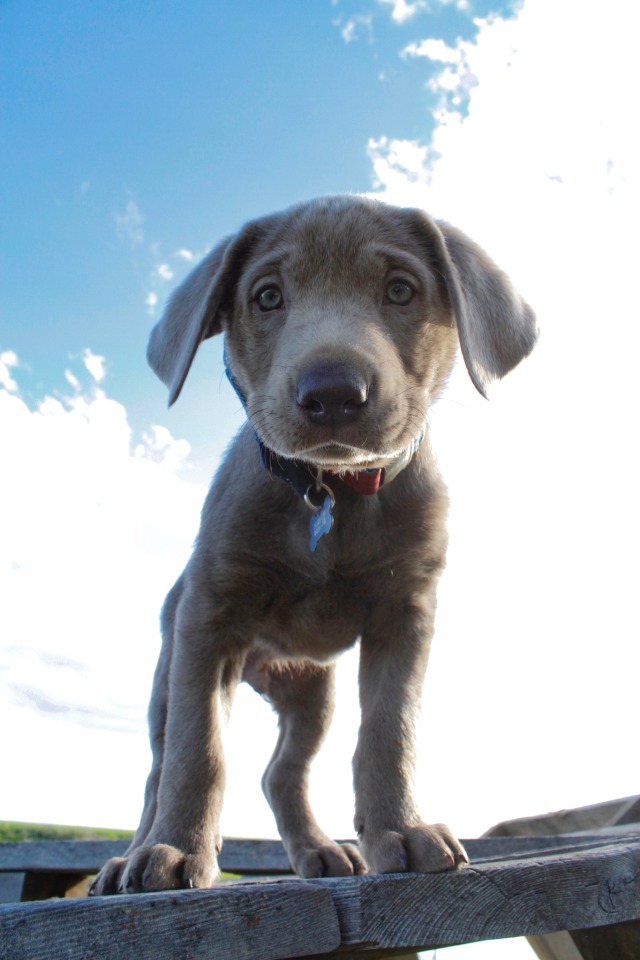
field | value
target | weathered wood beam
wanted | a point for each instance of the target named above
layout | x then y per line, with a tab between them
492	900
608	818
585	888
87	856
620	942
625	810
248	857
279	920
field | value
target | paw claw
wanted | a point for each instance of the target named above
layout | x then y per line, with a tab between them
154	867
325	858
420	848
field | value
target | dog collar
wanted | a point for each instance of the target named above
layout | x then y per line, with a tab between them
309	483
302	476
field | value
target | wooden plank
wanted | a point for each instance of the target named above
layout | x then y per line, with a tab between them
556	946
608	818
490	901
87	856
284	918
73	856
629	813
569	821
251	856
277	920
621	942
618	942
484	849
11	887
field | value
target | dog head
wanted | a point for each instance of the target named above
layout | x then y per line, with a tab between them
342	318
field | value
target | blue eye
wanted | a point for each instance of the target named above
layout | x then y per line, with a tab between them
399	292
270	298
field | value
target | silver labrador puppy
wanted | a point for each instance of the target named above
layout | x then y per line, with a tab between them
325	523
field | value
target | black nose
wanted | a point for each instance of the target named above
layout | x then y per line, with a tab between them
332	393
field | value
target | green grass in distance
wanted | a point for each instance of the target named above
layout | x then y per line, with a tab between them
15	832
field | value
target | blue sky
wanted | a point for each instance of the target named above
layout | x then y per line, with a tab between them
133	137
132	131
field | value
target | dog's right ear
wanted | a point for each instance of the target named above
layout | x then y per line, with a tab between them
194	310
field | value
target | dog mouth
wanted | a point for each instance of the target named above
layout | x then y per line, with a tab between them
351	448
334	455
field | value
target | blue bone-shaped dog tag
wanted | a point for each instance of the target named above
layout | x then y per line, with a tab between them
321	522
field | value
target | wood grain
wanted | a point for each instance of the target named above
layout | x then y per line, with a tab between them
277	920
558	891
576	885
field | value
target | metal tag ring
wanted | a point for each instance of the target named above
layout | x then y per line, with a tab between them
309	502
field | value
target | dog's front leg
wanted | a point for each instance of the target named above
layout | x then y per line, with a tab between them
393	658
180	849
302	694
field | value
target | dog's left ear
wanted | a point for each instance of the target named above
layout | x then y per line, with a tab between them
496	328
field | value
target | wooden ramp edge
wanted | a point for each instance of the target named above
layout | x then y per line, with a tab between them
506	891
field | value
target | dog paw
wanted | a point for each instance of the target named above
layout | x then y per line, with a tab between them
327	859
420	849
108	880
155	867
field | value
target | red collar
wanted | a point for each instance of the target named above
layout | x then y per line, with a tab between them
366	482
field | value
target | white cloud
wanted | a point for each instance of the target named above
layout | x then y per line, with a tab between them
158	445
403	10
355	27
399	166
538	145
94	531
72	380
455	82
95	365
8	359
165	272
433	49
161	273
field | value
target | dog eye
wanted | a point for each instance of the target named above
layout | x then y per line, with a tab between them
399	292
270	298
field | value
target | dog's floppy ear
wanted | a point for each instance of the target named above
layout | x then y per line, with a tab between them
194	310
496	328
